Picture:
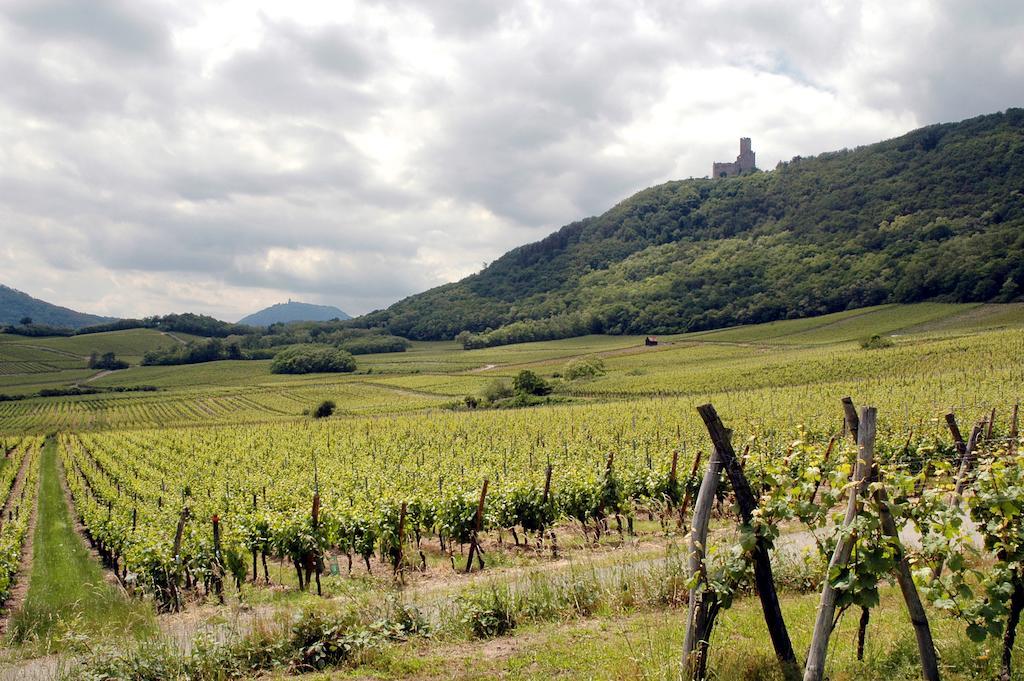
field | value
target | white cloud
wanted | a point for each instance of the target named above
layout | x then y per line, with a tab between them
168	156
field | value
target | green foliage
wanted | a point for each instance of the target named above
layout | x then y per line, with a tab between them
309	359
20	309
876	342
324	409
497	390
108	361
584	368
816	235
528	383
193	352
489	614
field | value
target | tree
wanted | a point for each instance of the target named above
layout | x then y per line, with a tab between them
324	409
25	321
308	359
529	383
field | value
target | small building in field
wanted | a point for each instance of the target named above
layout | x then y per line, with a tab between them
650	340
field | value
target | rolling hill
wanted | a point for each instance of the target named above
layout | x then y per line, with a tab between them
293	311
15	305
936	214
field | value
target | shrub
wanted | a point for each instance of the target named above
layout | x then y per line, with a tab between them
108	361
876	342
589	367
324	409
308	359
529	383
489	614
496	390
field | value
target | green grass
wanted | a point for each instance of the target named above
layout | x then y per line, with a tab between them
67	592
647	644
931	339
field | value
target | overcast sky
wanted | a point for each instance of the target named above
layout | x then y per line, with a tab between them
219	157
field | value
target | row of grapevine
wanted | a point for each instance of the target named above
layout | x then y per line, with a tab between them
22	458
132	487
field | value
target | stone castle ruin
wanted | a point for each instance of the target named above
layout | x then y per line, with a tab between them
744	163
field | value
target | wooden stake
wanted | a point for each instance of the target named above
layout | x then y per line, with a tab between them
954	430
918	616
1013	429
473	545
685	504
763	578
815	669
703	604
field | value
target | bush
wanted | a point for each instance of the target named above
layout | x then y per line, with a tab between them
590	367
876	342
496	390
489	614
108	361
324	409
529	383
309	359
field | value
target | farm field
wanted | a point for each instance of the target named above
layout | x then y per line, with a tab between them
584	492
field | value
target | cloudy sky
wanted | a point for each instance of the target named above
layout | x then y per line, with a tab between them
218	157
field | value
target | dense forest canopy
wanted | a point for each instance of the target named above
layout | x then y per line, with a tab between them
937	214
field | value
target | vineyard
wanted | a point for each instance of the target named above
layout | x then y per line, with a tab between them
18	474
223	491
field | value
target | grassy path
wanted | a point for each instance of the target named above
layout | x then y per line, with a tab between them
68	592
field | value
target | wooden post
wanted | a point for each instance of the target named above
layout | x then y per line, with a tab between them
703	603
685	503
991	424
401	539
815	669
478	526
954	430
218	563
824	462
966	462
763	578
918	616
852	420
1013	429
316	559
173	582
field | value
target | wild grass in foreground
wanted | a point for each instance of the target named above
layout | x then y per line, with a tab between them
596	621
68	598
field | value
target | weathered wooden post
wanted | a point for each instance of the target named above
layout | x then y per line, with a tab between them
685	503
477	527
815	669
1013	429
218	563
763	579
904	576
173	581
703	604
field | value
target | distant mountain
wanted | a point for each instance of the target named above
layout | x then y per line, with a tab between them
15	306
293	312
936	214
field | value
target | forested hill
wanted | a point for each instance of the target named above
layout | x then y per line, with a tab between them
937	214
16	306
293	311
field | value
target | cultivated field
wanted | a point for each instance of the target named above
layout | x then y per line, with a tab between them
584	522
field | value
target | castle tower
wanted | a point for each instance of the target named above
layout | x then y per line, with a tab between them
744	163
745	160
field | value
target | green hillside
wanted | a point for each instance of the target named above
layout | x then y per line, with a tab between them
937	214
15	306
